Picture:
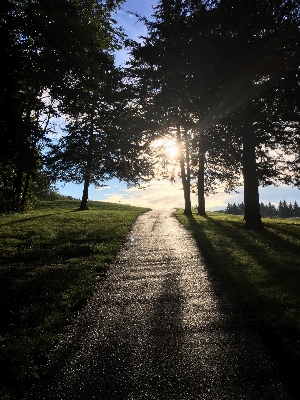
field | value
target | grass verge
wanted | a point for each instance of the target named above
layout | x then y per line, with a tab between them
262	272
50	262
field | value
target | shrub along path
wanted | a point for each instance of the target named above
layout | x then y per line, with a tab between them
160	327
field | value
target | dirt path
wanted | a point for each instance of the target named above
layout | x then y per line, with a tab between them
159	328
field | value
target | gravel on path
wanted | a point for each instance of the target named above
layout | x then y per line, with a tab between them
159	327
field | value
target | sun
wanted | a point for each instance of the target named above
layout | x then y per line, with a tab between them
168	147
171	149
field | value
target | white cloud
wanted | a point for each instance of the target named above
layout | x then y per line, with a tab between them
159	194
103	187
164	194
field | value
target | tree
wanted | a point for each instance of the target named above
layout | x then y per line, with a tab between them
225	81
255	38
187	96
296	209
17	153
212	146
36	61
165	86
104	137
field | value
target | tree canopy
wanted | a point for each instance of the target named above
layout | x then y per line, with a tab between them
222	73
47	48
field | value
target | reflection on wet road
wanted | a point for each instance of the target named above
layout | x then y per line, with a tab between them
159	328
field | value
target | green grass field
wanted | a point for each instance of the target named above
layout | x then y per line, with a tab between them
52	259
261	270
50	262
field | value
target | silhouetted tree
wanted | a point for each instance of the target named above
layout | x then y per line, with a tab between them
42	52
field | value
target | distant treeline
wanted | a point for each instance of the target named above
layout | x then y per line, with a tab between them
284	210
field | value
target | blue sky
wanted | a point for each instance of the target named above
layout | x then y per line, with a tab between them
162	194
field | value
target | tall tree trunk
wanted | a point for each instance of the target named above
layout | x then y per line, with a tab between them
201	192
17	190
187	197
89	161
25	191
85	195
251	195
184	176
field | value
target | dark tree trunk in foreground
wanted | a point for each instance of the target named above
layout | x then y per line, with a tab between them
201	192
251	196
187	196
89	160
17	191
185	176
85	196
25	191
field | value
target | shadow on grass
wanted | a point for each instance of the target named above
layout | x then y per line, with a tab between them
22	220
274	253
35	305
51	264
262	272
41	289
44	281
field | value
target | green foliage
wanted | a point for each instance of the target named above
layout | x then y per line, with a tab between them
260	269
51	261
102	138
38	69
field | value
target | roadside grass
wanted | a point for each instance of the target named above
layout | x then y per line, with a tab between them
262	272
51	260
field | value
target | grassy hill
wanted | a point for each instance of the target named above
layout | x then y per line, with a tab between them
50	262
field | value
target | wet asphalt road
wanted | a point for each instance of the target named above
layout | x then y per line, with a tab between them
159	328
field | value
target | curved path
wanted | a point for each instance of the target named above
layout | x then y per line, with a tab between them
160	328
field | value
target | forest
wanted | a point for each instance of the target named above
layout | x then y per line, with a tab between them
219	77
283	210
